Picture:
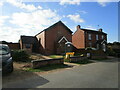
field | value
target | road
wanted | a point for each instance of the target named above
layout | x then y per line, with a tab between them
102	74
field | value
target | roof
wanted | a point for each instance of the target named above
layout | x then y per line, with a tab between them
101	41
54	25
28	39
62	39
88	30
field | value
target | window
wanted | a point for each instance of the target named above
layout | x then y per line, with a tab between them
27	45
89	36
90	44
96	37
102	36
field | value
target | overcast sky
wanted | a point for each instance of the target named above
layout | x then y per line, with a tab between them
29	18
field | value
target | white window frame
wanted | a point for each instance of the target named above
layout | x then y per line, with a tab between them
102	36
62	39
97	37
104	47
89	36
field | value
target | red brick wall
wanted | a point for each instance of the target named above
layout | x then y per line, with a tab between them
93	40
53	35
78	39
14	46
28	50
41	39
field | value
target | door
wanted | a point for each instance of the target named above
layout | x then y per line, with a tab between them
104	47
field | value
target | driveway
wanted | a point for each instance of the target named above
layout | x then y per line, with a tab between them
102	74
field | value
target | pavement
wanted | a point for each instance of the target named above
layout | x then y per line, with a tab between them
101	74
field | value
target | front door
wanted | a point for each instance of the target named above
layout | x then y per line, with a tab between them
61	47
104	47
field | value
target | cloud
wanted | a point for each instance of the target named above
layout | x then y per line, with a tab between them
2	19
71	2
30	22
83	12
29	7
76	18
1	3
90	27
35	19
103	3
26	23
11	34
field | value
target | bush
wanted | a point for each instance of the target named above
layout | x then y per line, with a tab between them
20	55
110	52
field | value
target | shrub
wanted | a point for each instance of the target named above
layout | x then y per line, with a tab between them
20	55
110	51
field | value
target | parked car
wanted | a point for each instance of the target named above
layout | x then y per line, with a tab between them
6	59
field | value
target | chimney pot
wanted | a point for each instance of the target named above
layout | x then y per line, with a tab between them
78	27
100	30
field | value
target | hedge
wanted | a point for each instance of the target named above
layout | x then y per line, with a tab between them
20	55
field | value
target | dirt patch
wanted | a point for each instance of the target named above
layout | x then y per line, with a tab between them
17	74
35	57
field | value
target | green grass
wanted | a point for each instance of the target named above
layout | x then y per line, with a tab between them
56	56
47	68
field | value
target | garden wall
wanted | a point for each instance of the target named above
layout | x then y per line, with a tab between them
99	54
41	63
95	54
14	46
77	58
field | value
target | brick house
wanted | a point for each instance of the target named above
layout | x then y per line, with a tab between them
49	41
84	38
29	43
52	40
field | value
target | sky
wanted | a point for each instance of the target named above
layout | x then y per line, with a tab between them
29	18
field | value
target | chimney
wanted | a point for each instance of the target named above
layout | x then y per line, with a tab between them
100	30
78	27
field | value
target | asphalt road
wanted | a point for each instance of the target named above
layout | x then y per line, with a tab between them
102	74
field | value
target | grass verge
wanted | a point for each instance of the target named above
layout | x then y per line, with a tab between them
47	68
56	56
